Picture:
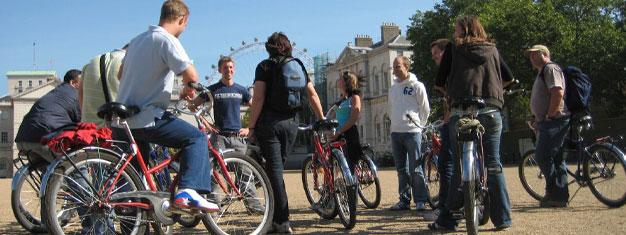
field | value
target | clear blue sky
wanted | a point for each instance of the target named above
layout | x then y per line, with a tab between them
70	33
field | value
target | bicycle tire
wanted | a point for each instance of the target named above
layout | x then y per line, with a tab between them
25	201
431	176
368	180
469	200
235	215
605	169
345	195
97	161
189	221
321	196
531	177
485	206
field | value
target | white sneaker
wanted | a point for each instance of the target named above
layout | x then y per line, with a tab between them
190	199
432	216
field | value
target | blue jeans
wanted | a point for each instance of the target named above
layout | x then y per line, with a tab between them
500	205
549	156
172	132
276	140
444	164
407	157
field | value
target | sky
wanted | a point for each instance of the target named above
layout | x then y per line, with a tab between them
68	33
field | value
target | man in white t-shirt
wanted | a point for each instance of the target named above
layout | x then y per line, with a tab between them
151	63
407	96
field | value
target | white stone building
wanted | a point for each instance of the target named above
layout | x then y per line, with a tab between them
374	62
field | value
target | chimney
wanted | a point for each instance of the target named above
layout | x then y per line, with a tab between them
388	31
363	41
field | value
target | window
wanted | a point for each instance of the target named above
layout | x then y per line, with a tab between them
3	164
19	83
19	90
375	81
386	80
5	137
30	83
400	53
4	115
387	127
40	82
378	132
361	132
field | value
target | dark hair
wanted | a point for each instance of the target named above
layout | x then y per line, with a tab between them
440	43
224	59
278	44
352	83
72	75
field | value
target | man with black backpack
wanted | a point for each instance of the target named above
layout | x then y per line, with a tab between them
279	86
547	104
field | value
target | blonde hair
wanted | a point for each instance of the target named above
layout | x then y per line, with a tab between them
352	83
172	9
472	30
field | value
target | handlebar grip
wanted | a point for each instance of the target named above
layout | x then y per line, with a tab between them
196	86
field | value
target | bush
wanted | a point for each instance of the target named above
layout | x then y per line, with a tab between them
385	160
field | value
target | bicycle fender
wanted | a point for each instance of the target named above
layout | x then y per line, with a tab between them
18	175
344	166
609	146
467	161
59	160
371	164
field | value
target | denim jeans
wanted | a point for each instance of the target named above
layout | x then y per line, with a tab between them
444	164
276	140
407	157
549	156
500	205
172	132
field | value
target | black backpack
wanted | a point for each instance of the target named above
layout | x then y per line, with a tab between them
577	91
288	89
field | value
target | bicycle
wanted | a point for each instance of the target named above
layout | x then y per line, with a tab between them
25	187
116	194
472	162
430	159
597	162
366	174
327	174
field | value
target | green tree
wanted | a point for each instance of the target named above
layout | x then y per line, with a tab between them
589	34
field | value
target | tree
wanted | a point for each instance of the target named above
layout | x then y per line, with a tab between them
590	34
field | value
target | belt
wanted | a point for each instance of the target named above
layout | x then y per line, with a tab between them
229	134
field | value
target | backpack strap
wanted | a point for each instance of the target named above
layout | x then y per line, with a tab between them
103	78
543	70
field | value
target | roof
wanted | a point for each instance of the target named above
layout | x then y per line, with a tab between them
53	82
31	73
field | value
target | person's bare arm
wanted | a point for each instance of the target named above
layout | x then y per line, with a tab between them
556	96
189	75
314	101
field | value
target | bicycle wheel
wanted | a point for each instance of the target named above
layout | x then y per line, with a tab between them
25	198
250	214
345	195
606	174
320	197
531	176
68	191
431	176
369	186
470	207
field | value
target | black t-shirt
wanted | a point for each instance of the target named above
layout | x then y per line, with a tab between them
446	64
267	71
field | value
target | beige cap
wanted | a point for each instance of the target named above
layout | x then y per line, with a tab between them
537	48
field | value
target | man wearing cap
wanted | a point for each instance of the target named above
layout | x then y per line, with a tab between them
547	104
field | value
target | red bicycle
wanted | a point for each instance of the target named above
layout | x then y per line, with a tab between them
105	191
430	159
326	177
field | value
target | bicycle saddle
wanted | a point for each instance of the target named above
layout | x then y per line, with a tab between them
107	110
325	124
467	101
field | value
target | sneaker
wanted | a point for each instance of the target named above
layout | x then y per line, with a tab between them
502	227
437	227
432	216
400	206
420	206
282	228
190	199
550	203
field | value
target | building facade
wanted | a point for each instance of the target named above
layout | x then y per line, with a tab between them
374	62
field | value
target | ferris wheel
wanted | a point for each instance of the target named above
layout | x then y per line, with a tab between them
248	56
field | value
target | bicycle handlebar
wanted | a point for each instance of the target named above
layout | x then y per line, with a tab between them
182	105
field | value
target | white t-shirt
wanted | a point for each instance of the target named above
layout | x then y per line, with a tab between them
151	63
